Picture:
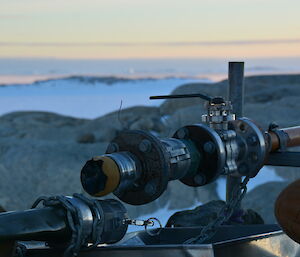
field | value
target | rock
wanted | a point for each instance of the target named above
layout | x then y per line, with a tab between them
251	217
107	127
108	80
39	168
288	173
185	116
262	199
268	88
200	216
87	138
148	124
207	213
183	196
43	126
273	111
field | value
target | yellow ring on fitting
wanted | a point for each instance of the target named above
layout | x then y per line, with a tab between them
111	170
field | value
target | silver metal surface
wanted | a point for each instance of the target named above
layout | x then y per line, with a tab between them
112	147
218	115
86	213
232	150
128	167
236	87
144	153
179	157
252	147
236	96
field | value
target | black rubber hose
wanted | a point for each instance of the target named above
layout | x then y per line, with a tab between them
45	224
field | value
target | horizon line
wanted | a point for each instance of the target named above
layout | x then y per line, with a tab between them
155	44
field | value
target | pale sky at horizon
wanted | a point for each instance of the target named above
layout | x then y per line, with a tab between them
149	29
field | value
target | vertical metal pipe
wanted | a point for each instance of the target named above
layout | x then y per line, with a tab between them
236	87
236	96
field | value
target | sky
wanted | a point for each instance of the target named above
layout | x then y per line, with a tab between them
95	29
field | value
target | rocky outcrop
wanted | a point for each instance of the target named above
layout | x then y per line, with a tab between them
205	214
262	199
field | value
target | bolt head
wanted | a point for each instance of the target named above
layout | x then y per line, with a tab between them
225	170
254	157
145	146
112	148
182	133
252	140
223	136
150	188
209	147
200	179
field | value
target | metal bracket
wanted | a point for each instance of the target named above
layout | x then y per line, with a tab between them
282	136
288	159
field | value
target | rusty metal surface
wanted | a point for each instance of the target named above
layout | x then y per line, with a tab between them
294	136
293	140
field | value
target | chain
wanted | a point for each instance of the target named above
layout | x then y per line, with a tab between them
145	223
223	215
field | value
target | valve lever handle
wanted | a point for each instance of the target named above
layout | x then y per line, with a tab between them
202	96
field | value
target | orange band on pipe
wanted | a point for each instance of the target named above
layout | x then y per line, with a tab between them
293	138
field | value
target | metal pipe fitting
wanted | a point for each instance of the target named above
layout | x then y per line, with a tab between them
105	174
139	166
49	223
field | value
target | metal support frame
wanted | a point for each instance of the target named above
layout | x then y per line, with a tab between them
236	96
286	159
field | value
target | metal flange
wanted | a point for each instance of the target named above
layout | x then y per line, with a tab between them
154	164
252	147
212	150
